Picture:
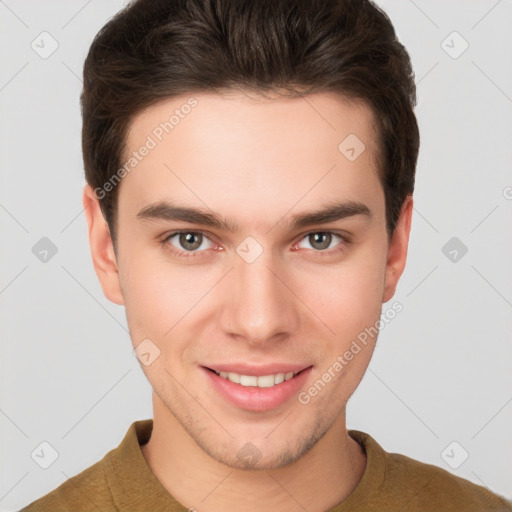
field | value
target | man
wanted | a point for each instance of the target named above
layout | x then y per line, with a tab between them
250	170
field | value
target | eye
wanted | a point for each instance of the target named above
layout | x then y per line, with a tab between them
187	241
321	240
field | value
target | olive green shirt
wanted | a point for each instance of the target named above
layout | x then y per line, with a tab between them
123	481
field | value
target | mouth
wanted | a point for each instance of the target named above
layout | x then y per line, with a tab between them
260	381
257	389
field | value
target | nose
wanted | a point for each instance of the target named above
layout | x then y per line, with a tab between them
259	307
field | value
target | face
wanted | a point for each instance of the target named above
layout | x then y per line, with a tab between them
252	252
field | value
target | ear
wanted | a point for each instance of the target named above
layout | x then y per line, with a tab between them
102	249
397	250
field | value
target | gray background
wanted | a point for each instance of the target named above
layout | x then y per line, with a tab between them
442	368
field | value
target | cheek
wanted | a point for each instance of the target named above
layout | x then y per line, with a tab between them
158	294
349	297
349	303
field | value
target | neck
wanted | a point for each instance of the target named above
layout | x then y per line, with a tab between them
323	477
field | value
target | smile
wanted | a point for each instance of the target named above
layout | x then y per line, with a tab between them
263	381
267	388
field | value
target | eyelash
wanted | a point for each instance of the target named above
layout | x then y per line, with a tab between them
344	242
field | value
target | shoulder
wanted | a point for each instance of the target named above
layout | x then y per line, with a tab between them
109	484
88	490
418	486
428	484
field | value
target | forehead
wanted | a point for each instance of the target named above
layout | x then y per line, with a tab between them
246	151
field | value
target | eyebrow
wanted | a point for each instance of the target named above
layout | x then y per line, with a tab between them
166	211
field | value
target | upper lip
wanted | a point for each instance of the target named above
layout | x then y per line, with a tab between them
258	370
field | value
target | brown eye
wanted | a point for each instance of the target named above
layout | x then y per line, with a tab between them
190	241
323	242
320	240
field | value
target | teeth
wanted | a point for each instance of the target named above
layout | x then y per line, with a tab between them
263	381
233	377
267	381
248	380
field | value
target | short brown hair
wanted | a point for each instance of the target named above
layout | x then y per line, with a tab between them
156	49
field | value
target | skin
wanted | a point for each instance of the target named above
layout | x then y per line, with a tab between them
258	162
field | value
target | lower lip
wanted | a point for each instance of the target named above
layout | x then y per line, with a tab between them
253	398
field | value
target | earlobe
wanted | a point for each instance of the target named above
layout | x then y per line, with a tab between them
102	249
397	251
